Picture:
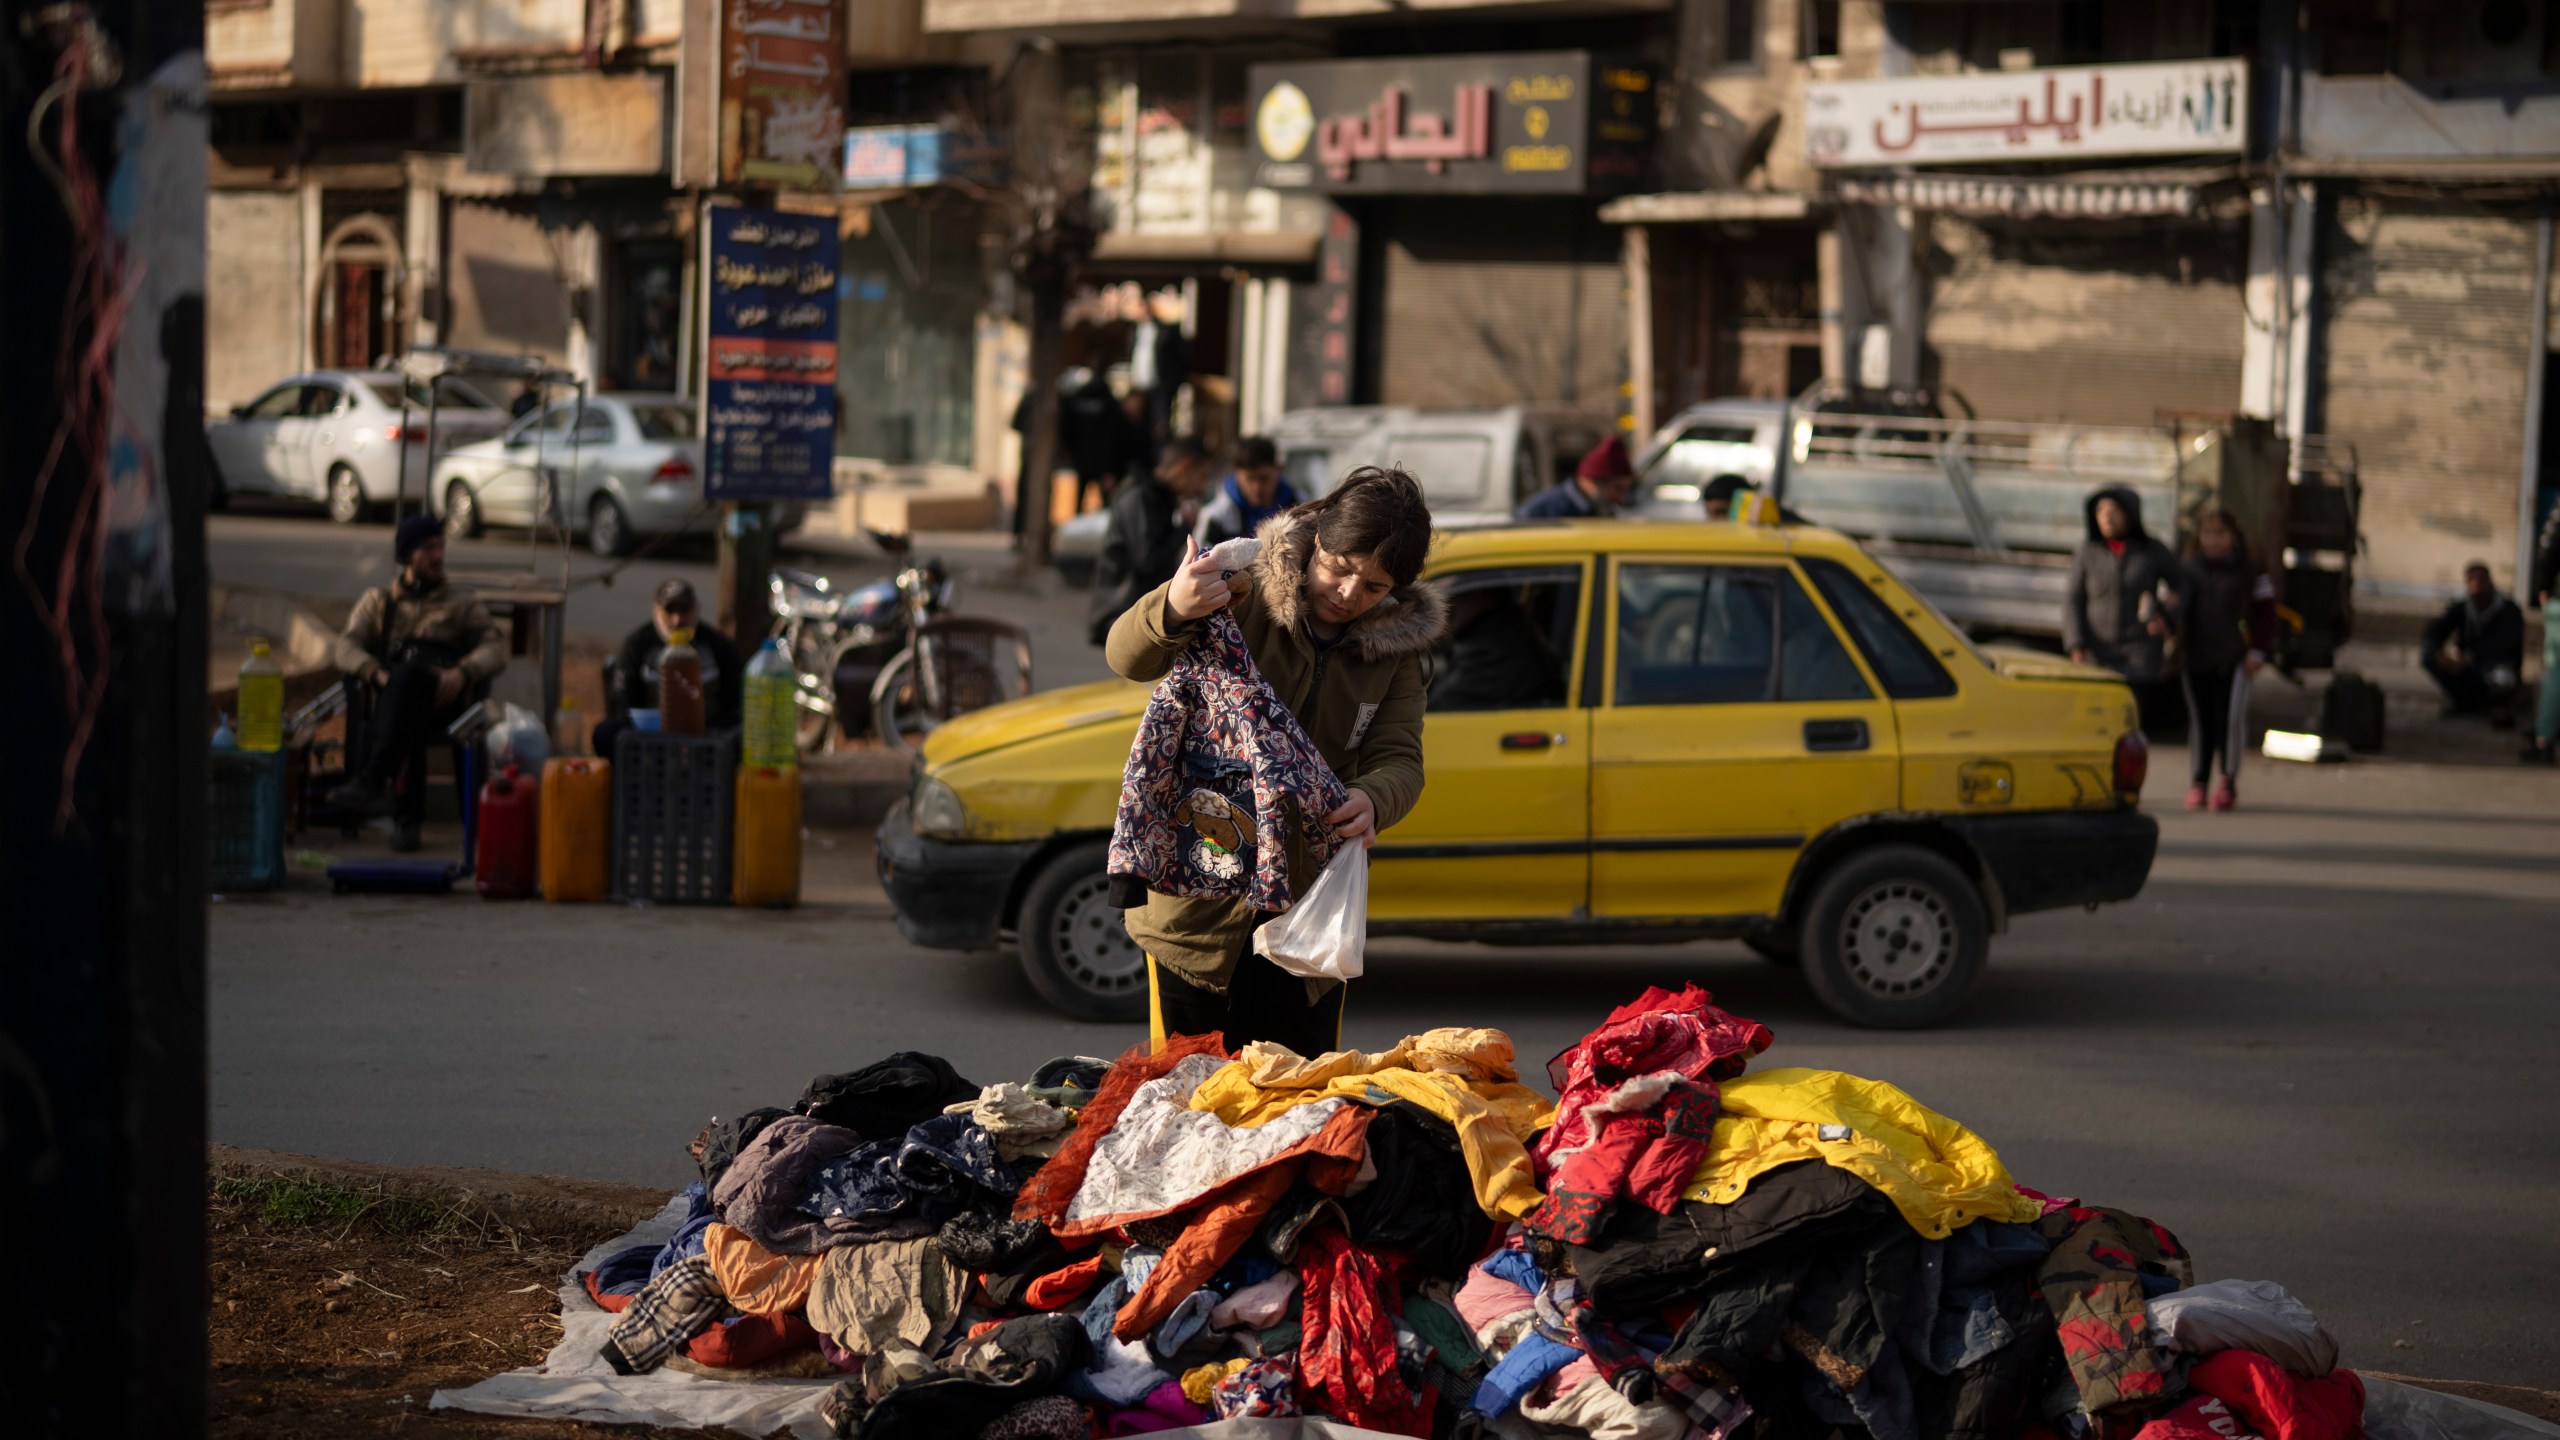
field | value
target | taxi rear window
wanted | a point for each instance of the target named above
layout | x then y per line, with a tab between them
1906	667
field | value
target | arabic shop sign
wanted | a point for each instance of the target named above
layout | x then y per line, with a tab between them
1558	122
894	156
781	93
771	371
2183	108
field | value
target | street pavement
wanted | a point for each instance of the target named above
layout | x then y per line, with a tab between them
2317	1047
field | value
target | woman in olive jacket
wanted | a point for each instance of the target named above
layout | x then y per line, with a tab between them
1338	626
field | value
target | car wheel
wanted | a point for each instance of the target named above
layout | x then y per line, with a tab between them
1076	952
608	529
461	512
346	502
218	490
1894	938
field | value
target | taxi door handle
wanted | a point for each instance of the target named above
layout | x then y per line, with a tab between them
1530	740
1835	734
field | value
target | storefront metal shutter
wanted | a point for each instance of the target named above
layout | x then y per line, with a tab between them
1503	302
2424	337
2094	322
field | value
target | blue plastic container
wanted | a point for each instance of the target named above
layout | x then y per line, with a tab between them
244	815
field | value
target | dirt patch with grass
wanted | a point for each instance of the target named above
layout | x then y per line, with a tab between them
341	1306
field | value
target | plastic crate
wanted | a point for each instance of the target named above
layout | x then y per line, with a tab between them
244	816
672	801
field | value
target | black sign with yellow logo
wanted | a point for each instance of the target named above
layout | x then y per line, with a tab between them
1556	122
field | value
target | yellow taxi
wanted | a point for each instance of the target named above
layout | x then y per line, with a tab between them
1638	732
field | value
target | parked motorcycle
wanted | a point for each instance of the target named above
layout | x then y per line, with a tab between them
887	658
840	640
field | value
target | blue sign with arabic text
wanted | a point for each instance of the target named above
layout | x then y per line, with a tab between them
771	376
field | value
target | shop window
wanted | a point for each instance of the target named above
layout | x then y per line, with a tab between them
1740	40
1821	37
647	306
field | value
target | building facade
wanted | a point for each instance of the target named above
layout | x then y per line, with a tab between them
2331	217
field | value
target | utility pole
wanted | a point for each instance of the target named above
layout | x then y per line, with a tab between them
102	641
747	552
1047	205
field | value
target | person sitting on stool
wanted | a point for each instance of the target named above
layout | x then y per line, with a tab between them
724	675
425	647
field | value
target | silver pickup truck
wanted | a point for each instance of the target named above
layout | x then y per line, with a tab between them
1982	516
1476	466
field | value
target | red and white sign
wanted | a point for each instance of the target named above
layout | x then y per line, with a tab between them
2181	108
782	93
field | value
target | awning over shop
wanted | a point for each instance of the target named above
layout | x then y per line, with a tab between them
1704	206
1223	247
2022	198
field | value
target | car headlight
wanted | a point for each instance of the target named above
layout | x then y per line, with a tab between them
936	811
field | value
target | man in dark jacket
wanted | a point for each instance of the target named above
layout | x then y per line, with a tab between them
2127	591
2475	649
1600	487
424	647
1096	435
724	673
2544	746
1149	519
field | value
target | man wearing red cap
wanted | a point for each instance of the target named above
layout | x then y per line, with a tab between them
1601	484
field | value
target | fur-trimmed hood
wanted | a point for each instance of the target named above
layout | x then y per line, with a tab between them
1408	622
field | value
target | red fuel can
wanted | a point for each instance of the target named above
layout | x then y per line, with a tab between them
509	813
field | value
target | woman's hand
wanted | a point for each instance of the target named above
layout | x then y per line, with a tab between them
1198	587
2252	663
1357	819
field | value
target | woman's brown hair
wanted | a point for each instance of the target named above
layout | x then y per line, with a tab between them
2216	510
1376	511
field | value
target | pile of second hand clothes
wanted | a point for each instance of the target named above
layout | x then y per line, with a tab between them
1414	1242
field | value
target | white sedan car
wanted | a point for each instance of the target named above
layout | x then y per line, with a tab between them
339	437
622	466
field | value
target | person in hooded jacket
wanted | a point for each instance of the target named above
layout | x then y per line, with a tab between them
1338	625
2227	633
2127	592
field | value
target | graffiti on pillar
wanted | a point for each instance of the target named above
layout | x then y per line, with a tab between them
1322	352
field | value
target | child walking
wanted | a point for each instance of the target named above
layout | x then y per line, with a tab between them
2230	628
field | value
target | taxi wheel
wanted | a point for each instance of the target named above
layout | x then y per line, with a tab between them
1075	950
1894	938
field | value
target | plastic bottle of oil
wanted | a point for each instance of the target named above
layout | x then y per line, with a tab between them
680	707
261	700
773	709
569	728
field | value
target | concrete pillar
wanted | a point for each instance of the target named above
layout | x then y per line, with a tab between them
1829	292
1870	281
1636	254
307	276
422	254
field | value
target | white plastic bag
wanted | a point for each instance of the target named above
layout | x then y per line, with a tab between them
1324	935
516	738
